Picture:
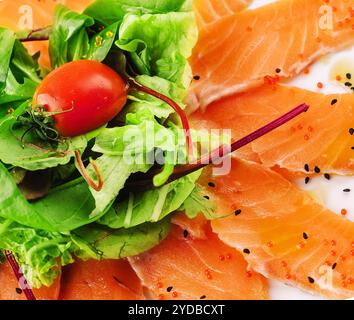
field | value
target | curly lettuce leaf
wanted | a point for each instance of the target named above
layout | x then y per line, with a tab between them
110	11
39	253
160	44
99	242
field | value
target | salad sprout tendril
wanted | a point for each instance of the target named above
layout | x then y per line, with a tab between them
19	276
81	167
222	151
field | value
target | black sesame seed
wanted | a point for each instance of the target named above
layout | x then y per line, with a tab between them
185	233
202	297
327	176
311	280
348	84
351	131
307	180
246	251
238	212
317	169
206	197
352	148
346	190
169	289
277	70
349	76
333	102
305	235
307	167
334	266
196	78
18	290
211	184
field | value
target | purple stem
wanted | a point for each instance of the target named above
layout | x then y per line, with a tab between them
222	151
19	275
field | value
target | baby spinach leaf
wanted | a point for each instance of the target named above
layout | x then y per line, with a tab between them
101	44
7	40
19	72
68	40
95	241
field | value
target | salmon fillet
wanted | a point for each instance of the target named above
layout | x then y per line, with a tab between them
182	267
276	41
320	137
283	232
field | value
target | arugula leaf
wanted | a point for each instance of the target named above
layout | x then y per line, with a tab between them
39	253
110	11
99	242
150	206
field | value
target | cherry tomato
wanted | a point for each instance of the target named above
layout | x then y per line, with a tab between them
86	95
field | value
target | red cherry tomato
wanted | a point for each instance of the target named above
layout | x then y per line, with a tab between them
91	93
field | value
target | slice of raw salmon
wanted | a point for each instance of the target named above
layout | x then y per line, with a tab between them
270	43
100	280
321	137
185	268
283	233
209	11
197	228
10	289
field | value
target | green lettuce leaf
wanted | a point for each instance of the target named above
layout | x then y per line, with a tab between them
68	40
99	242
110	11
69	206
115	171
150	206
160	44
39	253
141	134
19	72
